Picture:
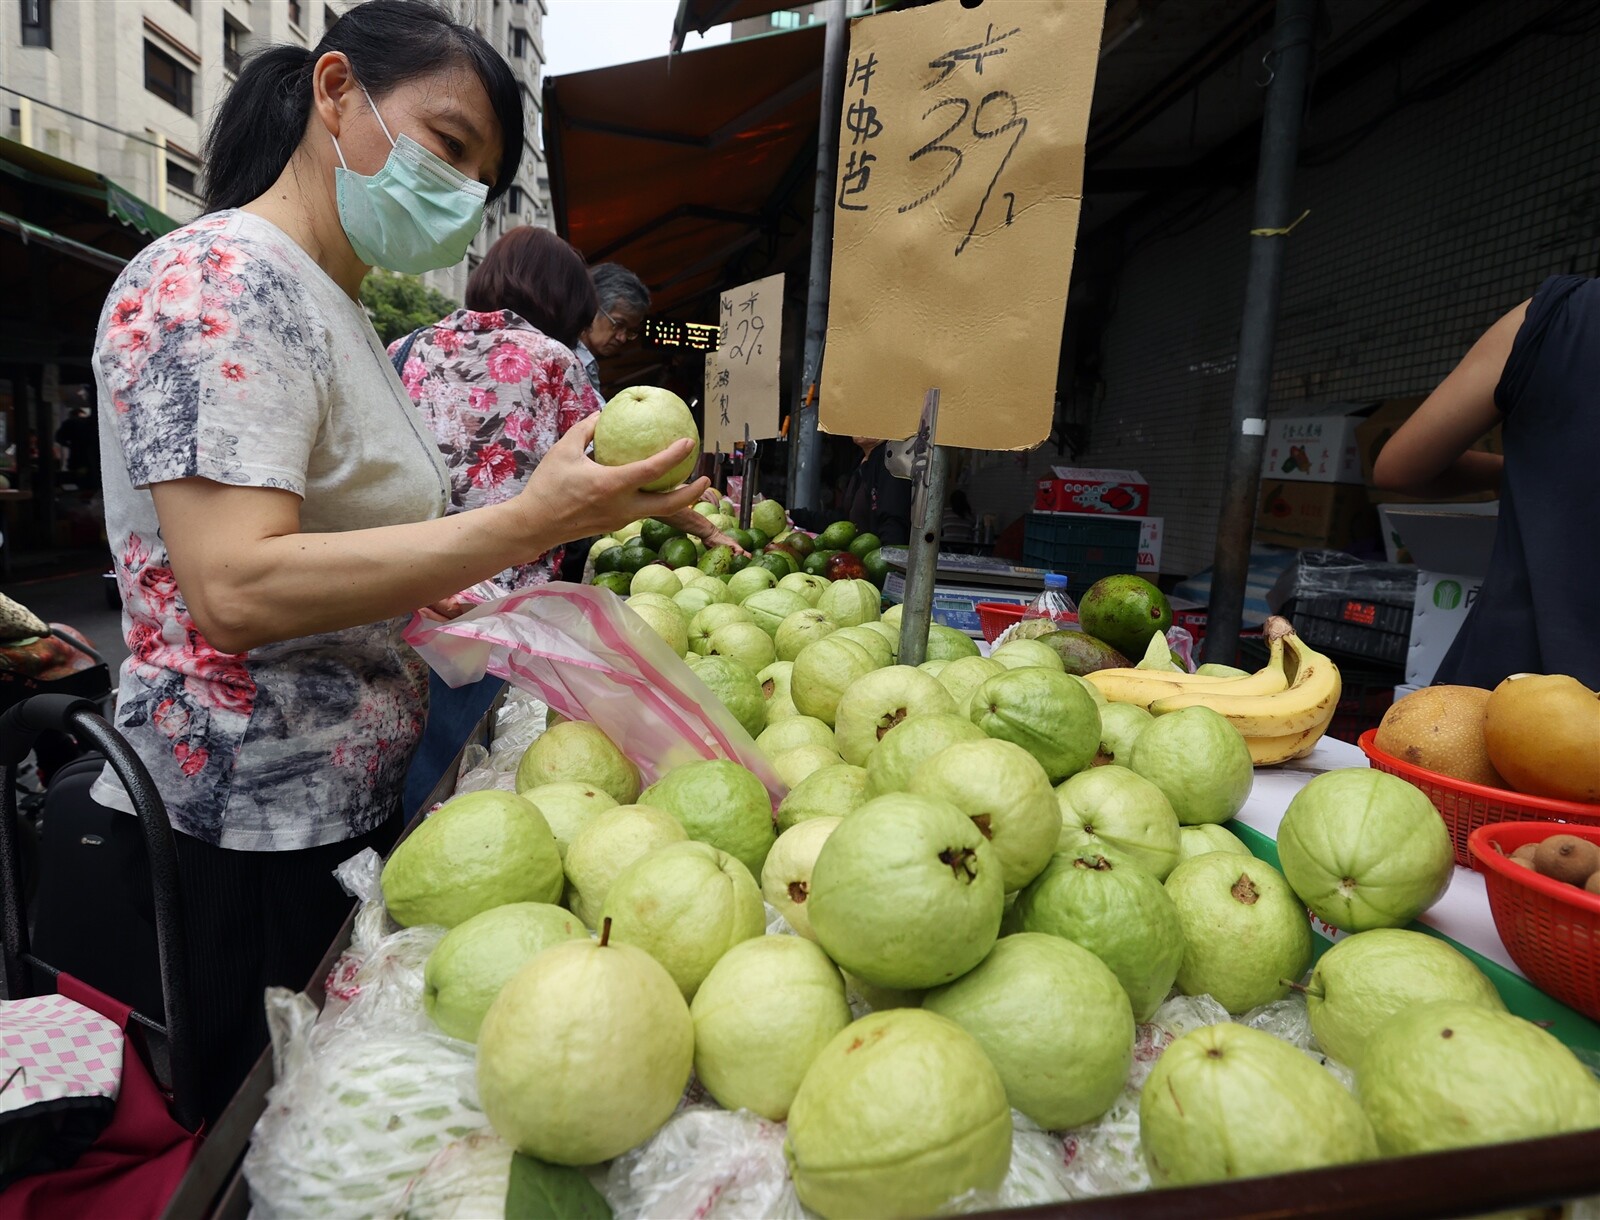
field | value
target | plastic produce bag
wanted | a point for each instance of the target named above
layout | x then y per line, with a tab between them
706	1163
587	656
1316	574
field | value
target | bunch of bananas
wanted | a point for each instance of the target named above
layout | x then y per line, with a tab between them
1283	709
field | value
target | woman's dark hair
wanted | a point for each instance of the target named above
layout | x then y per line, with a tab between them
261	122
537	275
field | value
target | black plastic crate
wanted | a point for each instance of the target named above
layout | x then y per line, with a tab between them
1082	550
1354	627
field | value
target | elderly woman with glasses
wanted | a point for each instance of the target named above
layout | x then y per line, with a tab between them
623	301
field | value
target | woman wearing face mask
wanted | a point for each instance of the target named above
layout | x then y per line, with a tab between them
274	502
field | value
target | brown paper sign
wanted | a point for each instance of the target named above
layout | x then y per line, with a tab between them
744	389
956	211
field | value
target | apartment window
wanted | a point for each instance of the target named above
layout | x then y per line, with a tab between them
515	201
182	177
186	5
521	43
232	45
168	79
36	23
294	14
786	21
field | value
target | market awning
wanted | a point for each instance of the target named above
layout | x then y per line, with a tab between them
701	15
36	168
675	166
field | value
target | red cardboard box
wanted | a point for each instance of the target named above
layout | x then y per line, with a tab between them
1117	493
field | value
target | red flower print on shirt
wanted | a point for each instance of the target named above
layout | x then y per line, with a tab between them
495	319
549	377
447	341
222	260
159	589
126	311
233	371
520	426
174	288
214	325
481	399
190	762
494	465
508	362
413	376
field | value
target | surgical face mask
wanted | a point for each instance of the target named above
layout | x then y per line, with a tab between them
415	214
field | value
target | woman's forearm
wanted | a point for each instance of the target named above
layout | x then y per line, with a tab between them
1469	474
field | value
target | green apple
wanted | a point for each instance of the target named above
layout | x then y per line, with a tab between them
479	956
1110	809
786	876
577	752
830	792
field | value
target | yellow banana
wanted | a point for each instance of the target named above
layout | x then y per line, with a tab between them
1269	751
1145	686
1312	694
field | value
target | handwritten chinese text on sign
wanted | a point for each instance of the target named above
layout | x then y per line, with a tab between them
745	389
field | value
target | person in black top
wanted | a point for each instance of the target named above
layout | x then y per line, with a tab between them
79	436
1538	369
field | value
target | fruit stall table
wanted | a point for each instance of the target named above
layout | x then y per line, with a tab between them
1466	1182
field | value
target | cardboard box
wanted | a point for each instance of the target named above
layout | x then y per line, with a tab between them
1118	493
1314	514
1436	617
1374	432
1314	443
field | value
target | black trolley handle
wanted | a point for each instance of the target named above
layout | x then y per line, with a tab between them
20	726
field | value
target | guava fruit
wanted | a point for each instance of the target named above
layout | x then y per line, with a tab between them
1115	910
749	581
1207	837
946	643
1006	793
629	531
794	732
875	645
668	622
1228	1101
1365	850
1120	726
849	602
1453	1075
685	905
891	617
577	752
1199	760
686	574
567	808
1094	692
799	629
745	643
875	702
1245	935
714	588
795	765
963	676
911	743
1044	712
889	635
476	851
770	607
807	586
736	687
477	957
786	876
769	517
639	423
934	668
900	1113
653	578
1027	654
879	999
719	803
906	893
774	683
604	848
1112	810
692	600
585	1053
822	671
1124	611
1365	979
832	792
761	1017
715	616
1054	1021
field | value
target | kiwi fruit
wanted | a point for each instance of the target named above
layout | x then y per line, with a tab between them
1567	858
1524	855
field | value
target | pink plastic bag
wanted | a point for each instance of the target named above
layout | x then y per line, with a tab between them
589	657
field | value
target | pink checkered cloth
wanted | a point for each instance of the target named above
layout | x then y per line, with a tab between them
53	1049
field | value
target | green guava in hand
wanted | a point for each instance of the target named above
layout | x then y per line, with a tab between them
1199	760
823	671
1054	1021
685	905
1365	979
639	423
476	851
761	1017
831	792
568	808
793	732
577	752
1207	837
786	876
477	957
1006	793
1365	850
1453	1075
719	803
911	743
1227	1101
1245	935
1112	810
584	1053
1116	911
906	893
876	702
900	1113
1044	712
607	846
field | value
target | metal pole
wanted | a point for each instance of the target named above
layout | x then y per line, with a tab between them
1289	64
808	465
747	480
928	472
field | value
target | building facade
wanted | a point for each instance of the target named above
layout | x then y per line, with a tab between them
125	87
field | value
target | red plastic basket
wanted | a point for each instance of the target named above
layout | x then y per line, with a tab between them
1550	928
995	617
1467	806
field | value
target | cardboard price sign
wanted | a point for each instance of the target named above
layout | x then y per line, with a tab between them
744	387
956	211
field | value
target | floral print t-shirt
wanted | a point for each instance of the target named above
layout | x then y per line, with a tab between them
225	353
496	393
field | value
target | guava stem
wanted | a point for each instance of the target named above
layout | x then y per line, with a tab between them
605	931
1301	988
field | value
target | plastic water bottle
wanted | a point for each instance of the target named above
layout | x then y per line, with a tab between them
1053	603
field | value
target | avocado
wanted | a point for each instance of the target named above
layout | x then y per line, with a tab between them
1082	653
1125	611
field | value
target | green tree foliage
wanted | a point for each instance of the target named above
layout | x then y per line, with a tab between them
401	303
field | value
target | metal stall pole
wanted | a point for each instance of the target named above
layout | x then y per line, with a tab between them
1290	63
747	481
929	463
807	488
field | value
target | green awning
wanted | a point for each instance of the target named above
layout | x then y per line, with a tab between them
131	210
41	169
